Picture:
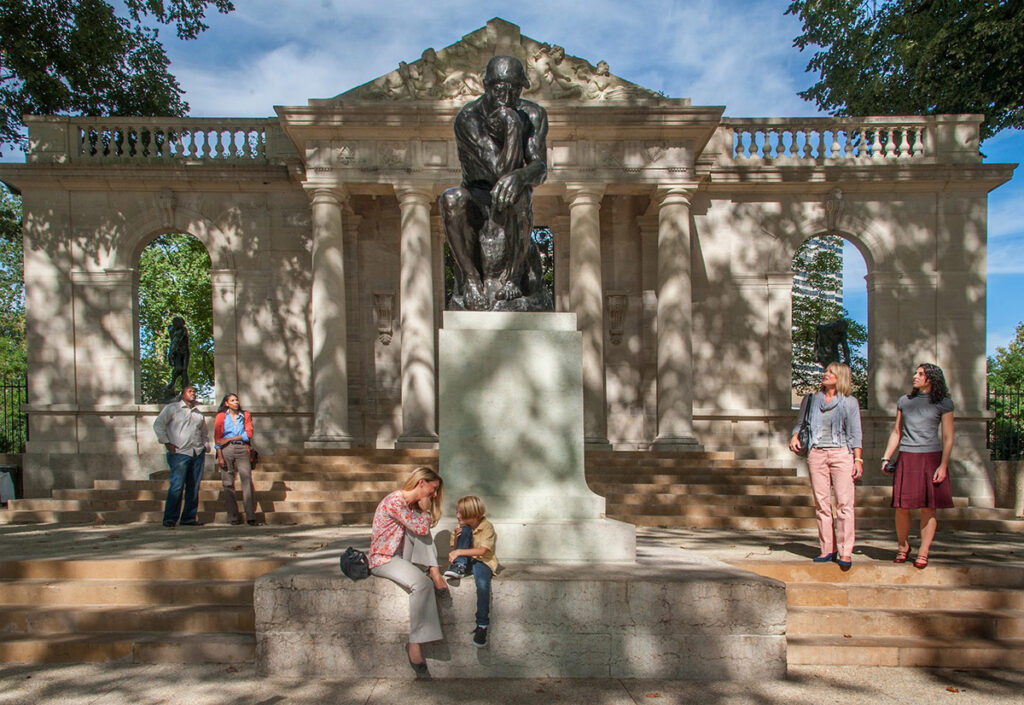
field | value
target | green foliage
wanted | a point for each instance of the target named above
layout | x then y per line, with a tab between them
79	57
12	288
1006	369
174	280
1006	399
824	269
916	57
542	238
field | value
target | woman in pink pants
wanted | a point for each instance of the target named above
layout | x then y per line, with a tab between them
834	460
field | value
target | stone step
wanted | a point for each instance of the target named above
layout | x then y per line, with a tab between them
695	474
903	596
950	624
715	522
114	591
418	455
654	455
907	651
139	569
206	517
667	464
210	618
721	479
214	495
206	504
131	647
879	574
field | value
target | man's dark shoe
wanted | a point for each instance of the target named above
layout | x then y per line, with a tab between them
236	522
480	637
169	524
253	522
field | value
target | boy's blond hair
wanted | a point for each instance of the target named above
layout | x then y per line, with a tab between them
471	507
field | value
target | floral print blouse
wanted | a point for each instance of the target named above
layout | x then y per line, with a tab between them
390	521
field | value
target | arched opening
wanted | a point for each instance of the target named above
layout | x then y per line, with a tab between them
829	312
174	283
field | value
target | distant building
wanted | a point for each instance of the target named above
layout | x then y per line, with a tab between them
832	290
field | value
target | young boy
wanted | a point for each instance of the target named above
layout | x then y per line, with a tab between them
473	542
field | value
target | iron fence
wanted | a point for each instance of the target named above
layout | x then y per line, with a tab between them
13	421
1006	427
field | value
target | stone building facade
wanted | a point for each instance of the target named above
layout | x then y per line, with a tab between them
674	230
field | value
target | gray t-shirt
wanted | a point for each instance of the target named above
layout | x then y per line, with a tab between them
824	439
922	422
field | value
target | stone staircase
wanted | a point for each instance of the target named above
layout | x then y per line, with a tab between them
716	490
131	610
293	487
884	614
691	490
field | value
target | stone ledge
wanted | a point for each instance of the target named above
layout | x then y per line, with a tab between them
671	615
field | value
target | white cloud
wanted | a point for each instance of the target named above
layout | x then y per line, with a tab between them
268	53
1006	255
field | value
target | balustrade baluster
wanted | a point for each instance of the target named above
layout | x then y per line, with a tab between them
246	144
876	144
852	136
207	147
834	151
919	142
766	148
806	151
892	148
743	149
220	143
904	150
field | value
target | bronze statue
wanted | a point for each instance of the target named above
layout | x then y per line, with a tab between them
488	219
828	339
178	355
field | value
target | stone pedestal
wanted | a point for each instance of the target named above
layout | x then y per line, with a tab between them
511	432
678	616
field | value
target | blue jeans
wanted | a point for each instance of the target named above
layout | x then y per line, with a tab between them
481	576
186	474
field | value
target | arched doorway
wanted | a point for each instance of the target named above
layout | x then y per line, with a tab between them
174	281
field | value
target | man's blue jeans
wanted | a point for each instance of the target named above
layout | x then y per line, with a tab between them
186	474
481	576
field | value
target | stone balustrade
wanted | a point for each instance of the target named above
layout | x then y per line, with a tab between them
154	139
864	140
134	140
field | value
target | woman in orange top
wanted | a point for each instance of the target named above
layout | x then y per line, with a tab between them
232	436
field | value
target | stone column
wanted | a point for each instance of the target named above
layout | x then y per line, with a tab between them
586	299
329	325
225	332
419	354
675	320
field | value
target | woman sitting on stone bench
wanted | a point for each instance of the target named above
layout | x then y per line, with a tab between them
401	547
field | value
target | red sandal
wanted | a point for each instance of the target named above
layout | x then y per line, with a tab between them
901	555
921	562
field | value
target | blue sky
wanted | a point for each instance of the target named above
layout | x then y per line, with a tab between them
736	53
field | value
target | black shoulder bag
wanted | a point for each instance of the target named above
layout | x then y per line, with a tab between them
354	564
804	434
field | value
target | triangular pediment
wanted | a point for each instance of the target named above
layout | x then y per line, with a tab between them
455	73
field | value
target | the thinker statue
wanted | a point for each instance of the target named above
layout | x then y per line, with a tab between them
178	355
488	218
828	339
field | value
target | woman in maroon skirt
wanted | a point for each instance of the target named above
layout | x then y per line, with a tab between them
924	434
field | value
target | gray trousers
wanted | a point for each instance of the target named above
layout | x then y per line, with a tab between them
236	456
424	622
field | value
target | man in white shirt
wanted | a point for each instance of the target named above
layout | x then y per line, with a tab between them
181	427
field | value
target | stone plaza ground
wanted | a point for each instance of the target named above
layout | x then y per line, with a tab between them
119	681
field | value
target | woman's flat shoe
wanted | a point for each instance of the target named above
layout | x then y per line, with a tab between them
901	555
420	669
921	562
827	558
844	564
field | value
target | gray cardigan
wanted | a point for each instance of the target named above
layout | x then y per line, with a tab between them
852	428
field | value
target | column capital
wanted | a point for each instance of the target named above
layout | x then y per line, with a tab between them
412	193
676	193
584	194
323	193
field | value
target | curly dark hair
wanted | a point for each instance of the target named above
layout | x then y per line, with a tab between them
933	373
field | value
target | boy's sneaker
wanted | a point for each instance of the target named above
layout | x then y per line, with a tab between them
480	637
456	571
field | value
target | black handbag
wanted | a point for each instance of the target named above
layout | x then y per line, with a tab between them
890	467
804	433
354	564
